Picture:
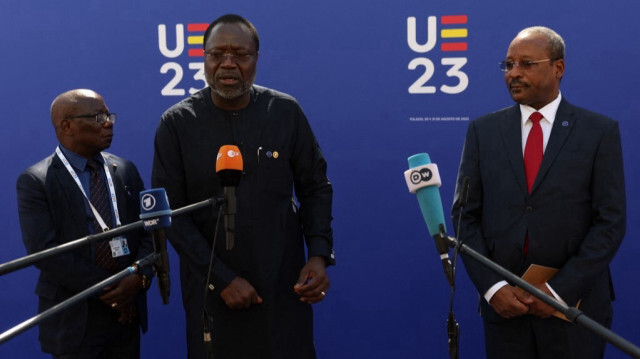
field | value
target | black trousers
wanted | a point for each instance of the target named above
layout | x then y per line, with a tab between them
105	338
530	337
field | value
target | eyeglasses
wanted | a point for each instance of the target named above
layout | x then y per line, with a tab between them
100	117
240	57
507	66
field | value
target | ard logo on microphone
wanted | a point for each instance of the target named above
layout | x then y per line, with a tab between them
423	175
148	201
154	209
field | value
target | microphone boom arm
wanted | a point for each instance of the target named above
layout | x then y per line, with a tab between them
572	313
33	258
96	288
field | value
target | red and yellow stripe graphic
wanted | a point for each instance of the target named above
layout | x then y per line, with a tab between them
454	34
195	37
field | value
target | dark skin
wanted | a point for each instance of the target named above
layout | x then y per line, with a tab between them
535	87
227	75
87	138
538	307
313	281
540	84
510	302
240	294
83	136
234	79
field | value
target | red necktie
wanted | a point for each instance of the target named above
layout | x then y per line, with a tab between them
533	150
532	158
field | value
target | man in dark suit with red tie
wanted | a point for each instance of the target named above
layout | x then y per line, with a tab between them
546	187
76	191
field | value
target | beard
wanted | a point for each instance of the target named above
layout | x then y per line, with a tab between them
230	92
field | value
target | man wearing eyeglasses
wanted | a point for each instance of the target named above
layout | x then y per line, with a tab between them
261	291
76	191
546	188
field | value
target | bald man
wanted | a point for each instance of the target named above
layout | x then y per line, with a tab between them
67	196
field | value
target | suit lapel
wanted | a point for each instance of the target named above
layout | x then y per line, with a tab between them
74	203
562	126
511	128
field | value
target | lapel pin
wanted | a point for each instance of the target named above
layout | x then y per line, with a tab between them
565	123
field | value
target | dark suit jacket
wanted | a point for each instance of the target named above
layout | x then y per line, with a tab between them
52	212
575	214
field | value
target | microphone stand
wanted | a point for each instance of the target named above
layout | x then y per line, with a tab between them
572	313
208	342
134	268
69	246
48	253
453	328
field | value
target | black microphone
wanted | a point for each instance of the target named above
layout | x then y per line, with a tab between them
229	169
155	214
423	179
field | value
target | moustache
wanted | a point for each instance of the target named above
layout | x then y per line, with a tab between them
226	75
516	82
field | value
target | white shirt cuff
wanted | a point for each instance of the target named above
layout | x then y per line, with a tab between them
489	294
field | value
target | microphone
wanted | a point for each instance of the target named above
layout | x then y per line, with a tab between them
423	179
155	214
229	170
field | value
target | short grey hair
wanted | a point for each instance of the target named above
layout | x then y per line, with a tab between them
555	47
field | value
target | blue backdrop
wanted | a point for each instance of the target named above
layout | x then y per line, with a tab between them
376	86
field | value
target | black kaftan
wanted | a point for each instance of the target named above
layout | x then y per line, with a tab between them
280	154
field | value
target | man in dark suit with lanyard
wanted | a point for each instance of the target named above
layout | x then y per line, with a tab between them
76	191
546	188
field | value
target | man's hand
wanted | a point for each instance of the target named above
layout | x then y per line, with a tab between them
538	307
240	294
313	282
510	302
123	293
127	313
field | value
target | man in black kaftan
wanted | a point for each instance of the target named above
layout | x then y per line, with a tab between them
262	288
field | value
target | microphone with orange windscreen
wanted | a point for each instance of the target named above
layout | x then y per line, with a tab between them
229	168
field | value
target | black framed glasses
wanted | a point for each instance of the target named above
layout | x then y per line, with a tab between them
238	57
100	117
507	66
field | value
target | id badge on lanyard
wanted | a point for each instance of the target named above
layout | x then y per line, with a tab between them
119	245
